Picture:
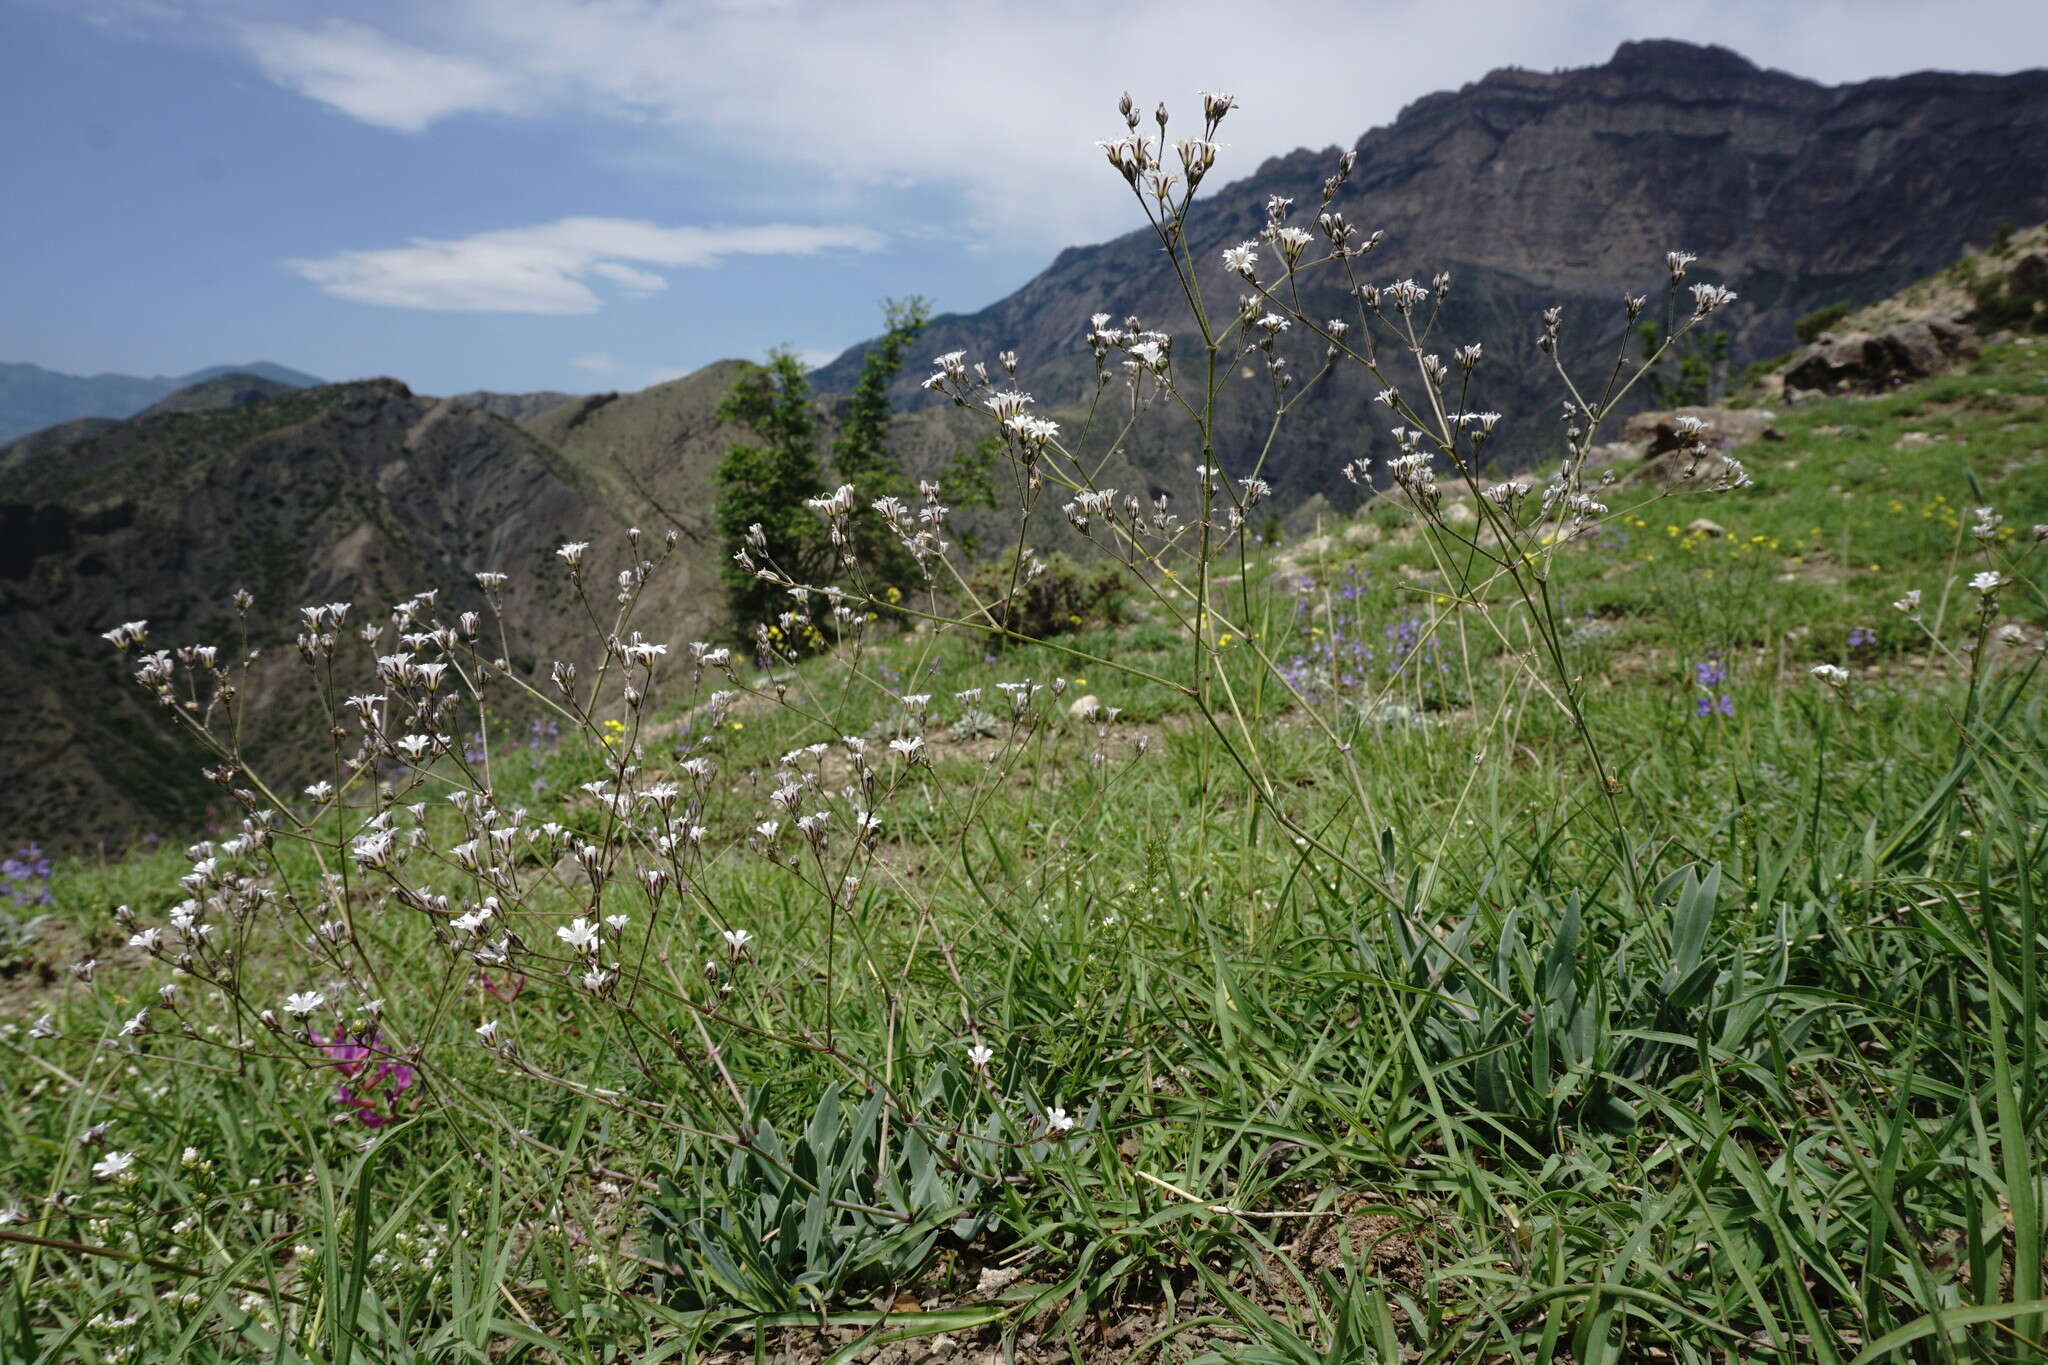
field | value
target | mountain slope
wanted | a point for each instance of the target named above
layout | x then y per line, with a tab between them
653	451
515	407
362	493
1536	189
32	397
234	389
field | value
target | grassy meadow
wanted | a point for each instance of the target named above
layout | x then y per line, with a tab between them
1327	1002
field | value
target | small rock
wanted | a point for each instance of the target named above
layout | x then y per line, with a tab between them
1700	526
1361	533
1913	440
1459	514
994	1279
1085	707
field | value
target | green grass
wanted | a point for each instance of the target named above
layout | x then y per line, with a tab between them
1439	1084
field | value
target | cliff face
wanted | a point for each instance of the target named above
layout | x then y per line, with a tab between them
1536	189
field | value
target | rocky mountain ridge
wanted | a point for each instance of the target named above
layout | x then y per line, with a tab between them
1566	188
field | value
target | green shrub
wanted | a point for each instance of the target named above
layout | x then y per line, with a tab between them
1049	596
1809	328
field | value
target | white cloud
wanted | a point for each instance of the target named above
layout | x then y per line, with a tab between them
370	77
1002	105
546	268
598	363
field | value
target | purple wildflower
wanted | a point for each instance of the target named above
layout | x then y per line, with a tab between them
25	878
375	1094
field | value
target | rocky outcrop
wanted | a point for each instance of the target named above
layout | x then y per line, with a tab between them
1654	433
1867	362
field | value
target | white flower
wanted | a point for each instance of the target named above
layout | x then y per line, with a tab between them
139	1023
13	1213
487	1031
113	1165
372	850
736	941
1032	430
617	923
1151	353
43	1027
299	1004
147	939
572	553
579	934
1909	604
1988	582
908	748
980	1055
1058	1120
1829	674
1708	297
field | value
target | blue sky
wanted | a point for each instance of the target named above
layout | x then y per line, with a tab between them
596	194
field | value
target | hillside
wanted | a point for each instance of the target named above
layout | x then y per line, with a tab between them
50	440
653	451
1404	992
358	492
232	389
235	389
32	398
1537	189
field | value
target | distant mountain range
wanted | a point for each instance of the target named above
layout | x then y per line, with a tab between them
156	498
32	397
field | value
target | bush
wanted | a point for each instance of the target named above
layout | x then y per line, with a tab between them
1049	596
1809	328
